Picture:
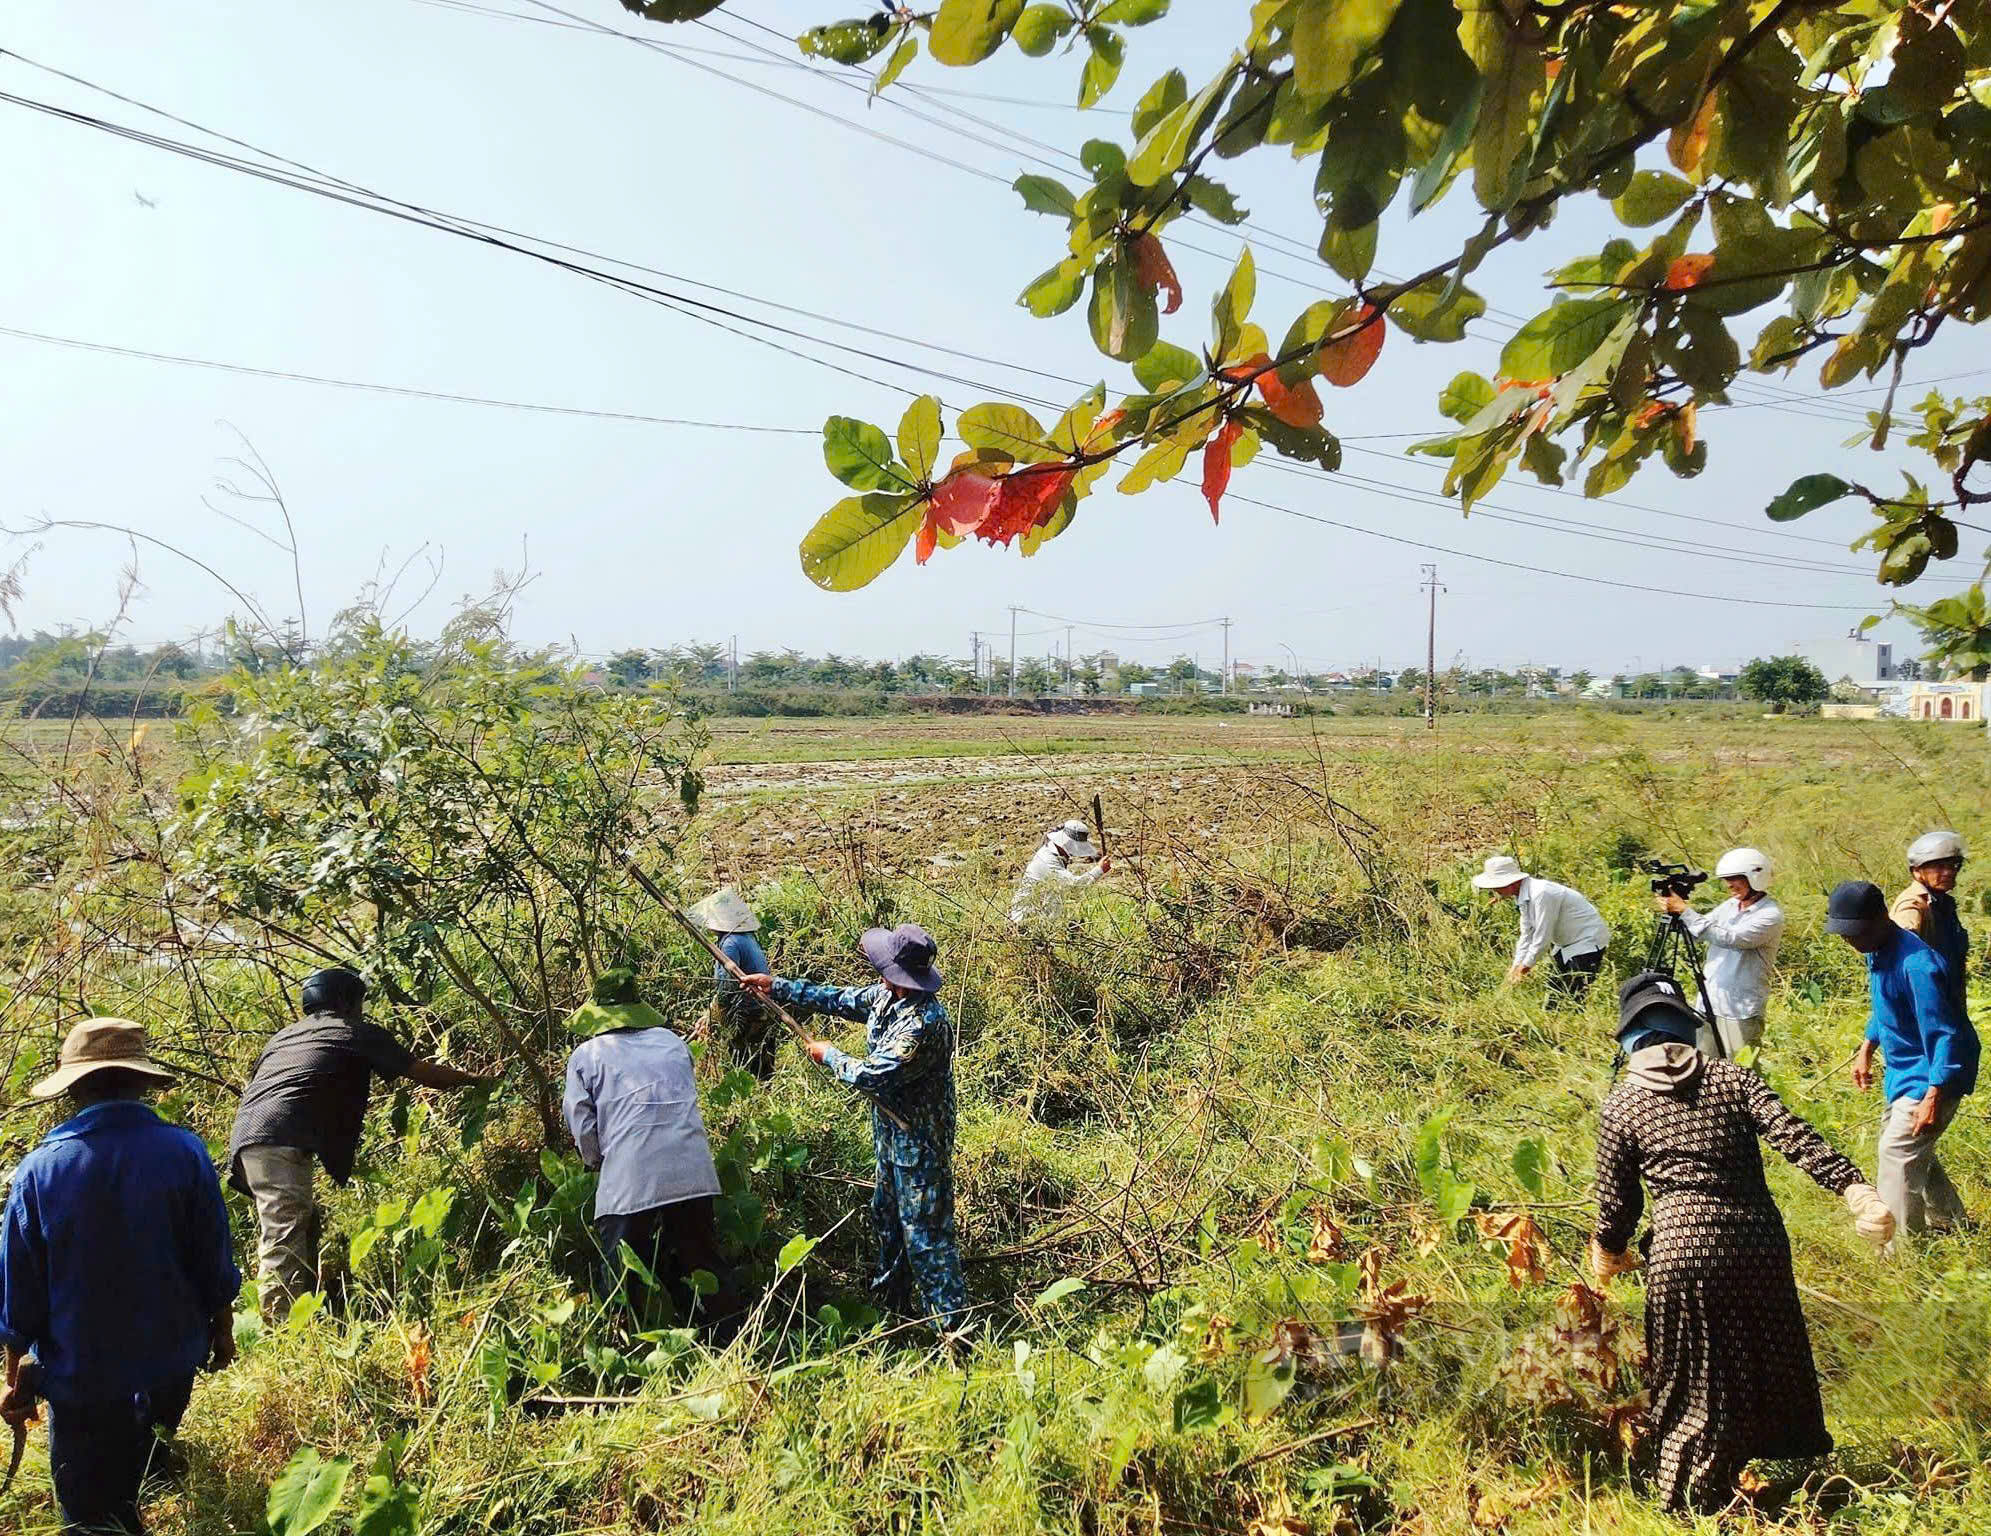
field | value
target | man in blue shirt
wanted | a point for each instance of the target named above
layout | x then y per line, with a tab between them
907	1072
1927	1045
116	1272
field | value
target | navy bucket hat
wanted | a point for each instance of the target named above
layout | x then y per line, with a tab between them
903	955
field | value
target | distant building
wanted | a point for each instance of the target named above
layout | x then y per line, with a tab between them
1957	701
1267	707
1856	659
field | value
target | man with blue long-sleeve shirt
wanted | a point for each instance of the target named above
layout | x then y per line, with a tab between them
907	1071
1928	1049
116	1272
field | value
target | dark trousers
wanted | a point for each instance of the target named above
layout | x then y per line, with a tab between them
671	1241
1571	979
101	1452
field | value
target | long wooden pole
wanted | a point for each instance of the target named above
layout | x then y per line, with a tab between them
1099	826
725	960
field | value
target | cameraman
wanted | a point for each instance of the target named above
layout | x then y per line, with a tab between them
1742	935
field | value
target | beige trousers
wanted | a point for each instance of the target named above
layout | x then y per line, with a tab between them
279	1180
1909	1175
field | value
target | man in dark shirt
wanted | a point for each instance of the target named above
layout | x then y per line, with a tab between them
116	1272
305	1099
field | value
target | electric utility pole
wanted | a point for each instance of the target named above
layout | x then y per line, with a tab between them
1224	683
1012	650
974	656
733	666
1430	585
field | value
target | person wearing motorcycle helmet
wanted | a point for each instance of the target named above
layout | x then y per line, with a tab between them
306	1101
1742	936
1927	908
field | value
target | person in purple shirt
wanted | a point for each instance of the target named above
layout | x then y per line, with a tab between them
116	1275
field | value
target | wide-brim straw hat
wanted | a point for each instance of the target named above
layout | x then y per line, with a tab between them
1074	840
1501	871
99	1045
903	955
724	912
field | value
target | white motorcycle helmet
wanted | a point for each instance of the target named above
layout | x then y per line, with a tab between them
1932	846
1751	863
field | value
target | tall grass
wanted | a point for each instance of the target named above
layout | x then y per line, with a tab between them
1206	1105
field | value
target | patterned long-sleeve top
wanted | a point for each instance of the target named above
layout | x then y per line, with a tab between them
908	1065
1695	1144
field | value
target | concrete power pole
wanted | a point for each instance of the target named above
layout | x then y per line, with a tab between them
1431	651
974	656
1012	650
1224	682
733	666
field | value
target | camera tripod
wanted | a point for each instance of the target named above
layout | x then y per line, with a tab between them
1674	945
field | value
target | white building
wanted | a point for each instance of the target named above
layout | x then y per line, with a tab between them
1855	658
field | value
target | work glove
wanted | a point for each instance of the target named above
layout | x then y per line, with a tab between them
1871	1217
1604	1264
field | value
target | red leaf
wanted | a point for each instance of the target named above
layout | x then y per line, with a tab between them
1297	405
929	537
1217	464
1027	499
963	501
1154	271
1344	362
1688	271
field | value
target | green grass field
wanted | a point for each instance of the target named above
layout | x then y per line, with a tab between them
1270	1058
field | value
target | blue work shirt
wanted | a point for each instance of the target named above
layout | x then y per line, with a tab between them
908	1065
1924	1037
744	950
115	1255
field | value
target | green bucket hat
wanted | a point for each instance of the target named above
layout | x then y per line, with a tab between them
614	1006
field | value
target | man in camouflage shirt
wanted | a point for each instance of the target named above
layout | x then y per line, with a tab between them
907	1072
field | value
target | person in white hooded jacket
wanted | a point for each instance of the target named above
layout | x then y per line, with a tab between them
1040	893
1742	937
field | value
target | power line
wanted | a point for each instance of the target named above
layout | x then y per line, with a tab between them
400	390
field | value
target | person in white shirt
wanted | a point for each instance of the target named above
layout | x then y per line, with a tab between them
1742	935
1553	918
632	1105
1040	894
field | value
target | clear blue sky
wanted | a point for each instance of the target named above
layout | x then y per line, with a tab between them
647	535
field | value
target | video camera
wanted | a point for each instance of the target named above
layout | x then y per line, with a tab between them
1680	880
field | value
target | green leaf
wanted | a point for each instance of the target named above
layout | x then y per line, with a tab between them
1559	338
1102	65
1039	28
1330	37
1214	200
1164	461
857	540
1166	145
630	1262
1055	291
1158	100
1005	429
1805	494
1929	63
1133	13
895	66
1435	174
1652	197
1466	396
387	1507
967	31
1510	71
432	1210
858	455
1166	366
919	436
306	1492
1437	312
1266	1385
1351	252
1232	306
1455	1198
1058	1290
1531	1161
793	1252
360	1246
1123	316
845	42
1042	194
1198	1406
1429	1151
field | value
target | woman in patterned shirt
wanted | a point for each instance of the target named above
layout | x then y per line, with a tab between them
1730	1373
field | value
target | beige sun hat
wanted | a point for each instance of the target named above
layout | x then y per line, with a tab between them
96	1045
1501	871
724	912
